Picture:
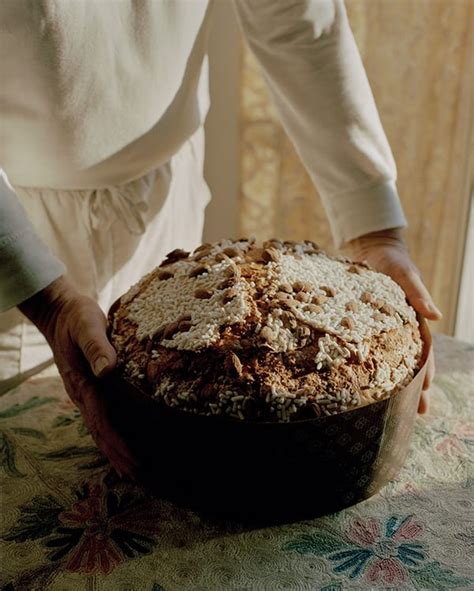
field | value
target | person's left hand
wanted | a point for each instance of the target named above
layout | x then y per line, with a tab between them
386	252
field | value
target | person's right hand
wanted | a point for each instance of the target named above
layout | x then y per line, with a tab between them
75	328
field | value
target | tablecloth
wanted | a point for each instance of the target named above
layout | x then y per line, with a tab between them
69	523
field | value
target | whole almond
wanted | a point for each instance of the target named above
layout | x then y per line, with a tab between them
283	297
229	295
347	322
226	283
177	253
271	254
184	318
319	299
367	297
329	291
388	309
353	269
170	330
231	252
202	294
313	308
202	254
352	306
205	246
303	297
198	270
298	286
157	335
163	275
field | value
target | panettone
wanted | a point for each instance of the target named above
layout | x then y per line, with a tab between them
279	332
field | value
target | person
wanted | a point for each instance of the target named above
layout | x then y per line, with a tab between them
101	148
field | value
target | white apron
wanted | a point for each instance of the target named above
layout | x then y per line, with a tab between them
109	238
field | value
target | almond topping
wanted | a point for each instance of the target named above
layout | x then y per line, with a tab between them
298	286
347	323
352	306
273	243
367	297
202	254
184	326
284	297
184	317
229	295
319	299
205	246
232	271
354	269
226	283
199	270
163	275
286	287
231	252
303	297
271	255
202	294
158	334
170	330
177	253
388	309
313	308
288	319
329	291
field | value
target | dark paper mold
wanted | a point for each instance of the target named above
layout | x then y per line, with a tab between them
267	472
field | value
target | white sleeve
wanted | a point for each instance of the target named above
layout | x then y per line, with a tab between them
317	80
26	264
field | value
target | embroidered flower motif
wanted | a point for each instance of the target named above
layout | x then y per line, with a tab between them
101	530
385	551
384	555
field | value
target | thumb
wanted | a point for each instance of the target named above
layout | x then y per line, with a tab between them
91	337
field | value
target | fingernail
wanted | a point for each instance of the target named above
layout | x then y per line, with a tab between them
435	310
99	365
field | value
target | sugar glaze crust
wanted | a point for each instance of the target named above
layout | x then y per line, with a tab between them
272	332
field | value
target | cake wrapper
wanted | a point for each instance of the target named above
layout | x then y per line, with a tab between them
267	472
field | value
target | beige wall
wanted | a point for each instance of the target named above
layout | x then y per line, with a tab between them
222	163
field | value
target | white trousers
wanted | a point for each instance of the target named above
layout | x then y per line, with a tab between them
109	238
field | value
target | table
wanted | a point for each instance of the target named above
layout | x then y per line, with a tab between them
68	523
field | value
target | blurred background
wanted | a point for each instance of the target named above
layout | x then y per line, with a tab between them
418	56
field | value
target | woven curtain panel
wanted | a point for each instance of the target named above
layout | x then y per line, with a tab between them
416	54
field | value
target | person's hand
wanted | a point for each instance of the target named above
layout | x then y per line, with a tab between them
386	252
75	328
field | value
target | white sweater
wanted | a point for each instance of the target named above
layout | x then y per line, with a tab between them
99	93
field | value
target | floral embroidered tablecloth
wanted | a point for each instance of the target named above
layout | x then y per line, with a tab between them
68	523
